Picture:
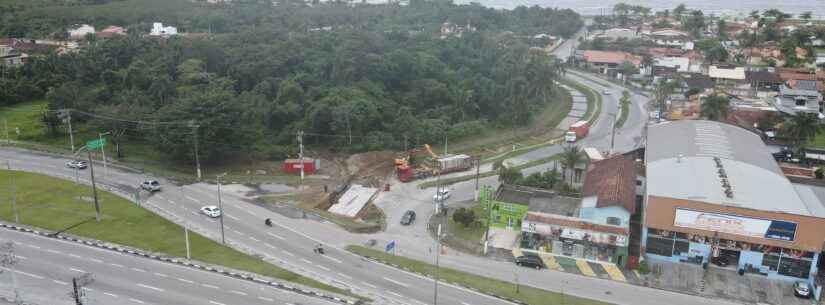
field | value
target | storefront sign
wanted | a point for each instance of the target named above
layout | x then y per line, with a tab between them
745	226
574	233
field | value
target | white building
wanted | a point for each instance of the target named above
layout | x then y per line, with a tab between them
682	64
81	31
159	30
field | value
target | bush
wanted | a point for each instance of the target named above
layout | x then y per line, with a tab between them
464	216
819	173
643	267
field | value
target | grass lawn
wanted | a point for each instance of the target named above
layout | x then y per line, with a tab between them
623	117
473	232
526	294
57	204
818	141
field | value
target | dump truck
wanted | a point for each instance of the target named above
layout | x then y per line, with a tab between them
577	131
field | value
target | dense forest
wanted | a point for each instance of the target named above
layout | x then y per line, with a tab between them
250	75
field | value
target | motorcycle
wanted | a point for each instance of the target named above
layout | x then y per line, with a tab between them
268	222
318	249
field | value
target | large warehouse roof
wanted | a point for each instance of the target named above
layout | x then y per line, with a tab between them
718	163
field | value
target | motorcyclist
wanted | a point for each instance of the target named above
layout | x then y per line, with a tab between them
319	249
268	222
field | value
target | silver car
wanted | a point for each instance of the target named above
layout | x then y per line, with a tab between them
802	289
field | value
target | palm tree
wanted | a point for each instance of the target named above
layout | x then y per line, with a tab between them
802	127
716	107
570	157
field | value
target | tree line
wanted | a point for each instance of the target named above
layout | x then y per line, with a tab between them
361	77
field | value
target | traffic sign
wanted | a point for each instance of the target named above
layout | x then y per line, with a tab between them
95	144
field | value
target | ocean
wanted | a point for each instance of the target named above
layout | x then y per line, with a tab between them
716	7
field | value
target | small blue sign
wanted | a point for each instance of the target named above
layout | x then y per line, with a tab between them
390	246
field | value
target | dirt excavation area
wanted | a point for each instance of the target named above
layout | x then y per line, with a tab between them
354	179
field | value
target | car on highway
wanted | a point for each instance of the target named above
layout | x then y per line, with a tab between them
606	92
78	164
211	211
408	218
442	195
802	289
150	185
529	261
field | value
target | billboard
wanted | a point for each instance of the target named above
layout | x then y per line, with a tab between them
739	225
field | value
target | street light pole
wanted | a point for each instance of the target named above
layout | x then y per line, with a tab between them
94	187
197	159
186	236
220	208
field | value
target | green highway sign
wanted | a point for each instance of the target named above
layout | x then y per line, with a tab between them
95	144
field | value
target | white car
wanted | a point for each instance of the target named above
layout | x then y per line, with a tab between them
150	185
606	92
78	164
211	211
442	195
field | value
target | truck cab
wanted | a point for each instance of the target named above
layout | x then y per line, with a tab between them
570	137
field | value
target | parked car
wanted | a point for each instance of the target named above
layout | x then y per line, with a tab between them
150	185
720	261
408	218
211	211
606	92
442	195
529	261
78	164
802	289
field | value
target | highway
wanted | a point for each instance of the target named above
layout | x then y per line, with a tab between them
46	266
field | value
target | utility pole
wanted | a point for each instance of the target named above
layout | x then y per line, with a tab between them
76	294
71	132
186	236
220	207
301	153
437	255
478	171
103	150
197	160
445	144
94	187
13	193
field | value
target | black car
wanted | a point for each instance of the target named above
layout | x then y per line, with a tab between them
408	218
720	261
529	261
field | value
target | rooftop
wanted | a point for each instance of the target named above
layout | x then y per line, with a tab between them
763	76
609	57
721	164
538	200
613	182
727	72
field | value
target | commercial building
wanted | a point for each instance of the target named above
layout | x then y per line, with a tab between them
714	193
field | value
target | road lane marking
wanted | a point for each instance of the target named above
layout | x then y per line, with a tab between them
150	287
276	236
185	281
29	274
270	246
216	303
117	265
254	239
138	269
190	198
33	246
306	261
465	303
266	299
322	267
60	282
75	255
287	253
137	301
368	284
238	232
210	286
21	257
237	292
161	274
395	294
110	294
396	282
344	276
232	217
77	270
53	251
96	260
331	258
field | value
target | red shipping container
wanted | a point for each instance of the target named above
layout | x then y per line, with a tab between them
293	166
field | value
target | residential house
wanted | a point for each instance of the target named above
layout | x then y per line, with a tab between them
449	29
607	62
803	100
111	31
81	31
595	227
159	30
820	60
10	57
762	80
671	38
681	64
700	82
727	76
616	34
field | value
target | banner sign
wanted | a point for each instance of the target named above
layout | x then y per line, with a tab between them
739	225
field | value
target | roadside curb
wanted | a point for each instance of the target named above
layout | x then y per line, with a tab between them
182	262
380	261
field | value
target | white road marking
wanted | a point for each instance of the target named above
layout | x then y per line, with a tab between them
395	294
216	303
77	270
322	267
306	261
266	299
254	239
270	246
75	255
210	286
137	301
185	281
60	282
160	274
465	303
344	276
287	253
237	292
138	269
96	260
21	257
190	198
150	287
33	246
29	274
396	282
276	236
331	258
232	217
110	294
238	232
53	251
368	284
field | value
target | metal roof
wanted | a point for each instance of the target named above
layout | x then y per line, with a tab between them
718	163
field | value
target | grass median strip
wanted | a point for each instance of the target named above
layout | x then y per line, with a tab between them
57	204
526	294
